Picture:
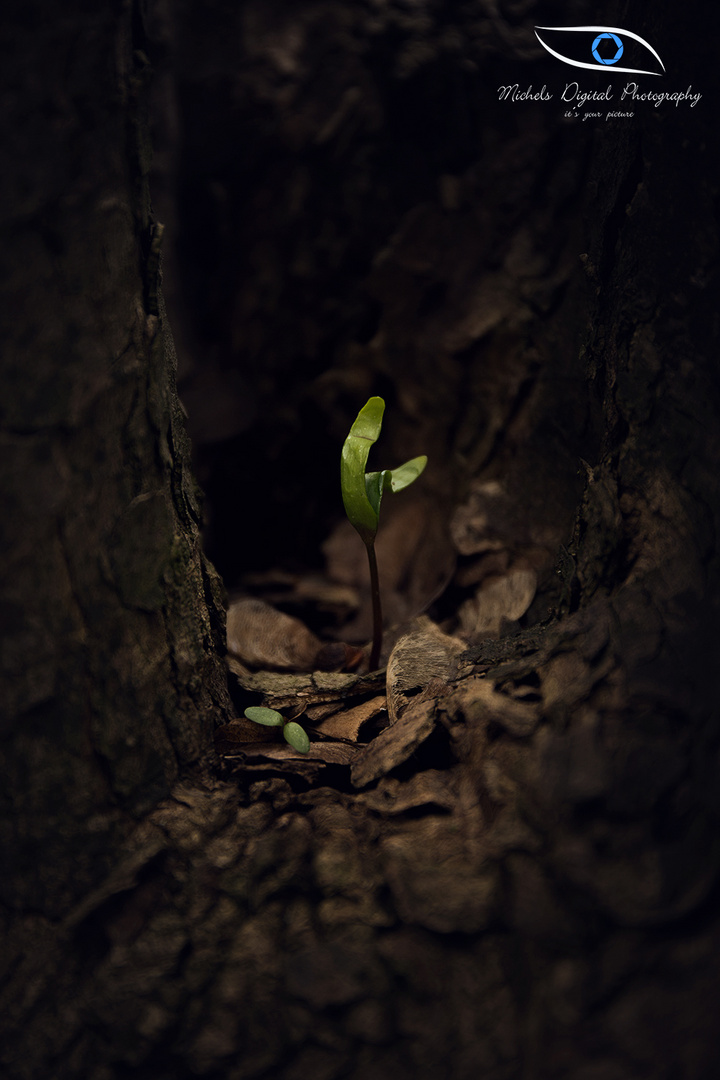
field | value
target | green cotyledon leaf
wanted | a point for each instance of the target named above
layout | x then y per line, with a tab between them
297	737
361	513
267	717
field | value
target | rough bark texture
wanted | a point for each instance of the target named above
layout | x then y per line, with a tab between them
111	616
532	895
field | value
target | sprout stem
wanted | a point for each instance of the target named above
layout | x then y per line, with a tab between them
377	610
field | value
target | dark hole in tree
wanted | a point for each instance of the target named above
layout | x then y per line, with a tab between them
387	233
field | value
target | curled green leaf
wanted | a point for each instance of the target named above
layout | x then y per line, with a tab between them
359	508
267	717
296	737
375	484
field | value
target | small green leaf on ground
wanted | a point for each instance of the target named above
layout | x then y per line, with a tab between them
267	717
297	737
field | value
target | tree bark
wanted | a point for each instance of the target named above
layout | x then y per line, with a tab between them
112	618
534	895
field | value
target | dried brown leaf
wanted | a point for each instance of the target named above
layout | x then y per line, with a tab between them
338	656
498	600
241	731
266	638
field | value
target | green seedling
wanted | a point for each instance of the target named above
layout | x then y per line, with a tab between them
292	732
362	494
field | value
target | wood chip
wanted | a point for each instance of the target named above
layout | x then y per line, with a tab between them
282	691
394	745
316	713
347	723
423	654
280	758
329	753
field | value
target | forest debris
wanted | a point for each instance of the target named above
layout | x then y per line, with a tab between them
346	724
497	601
259	749
316	713
280	758
325	594
338	656
423	654
241	731
394	745
328	753
282	691
316	591
266	638
321	696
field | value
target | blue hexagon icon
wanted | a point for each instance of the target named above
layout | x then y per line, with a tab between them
611	37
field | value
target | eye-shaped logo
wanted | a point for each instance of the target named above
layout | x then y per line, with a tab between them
597	47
